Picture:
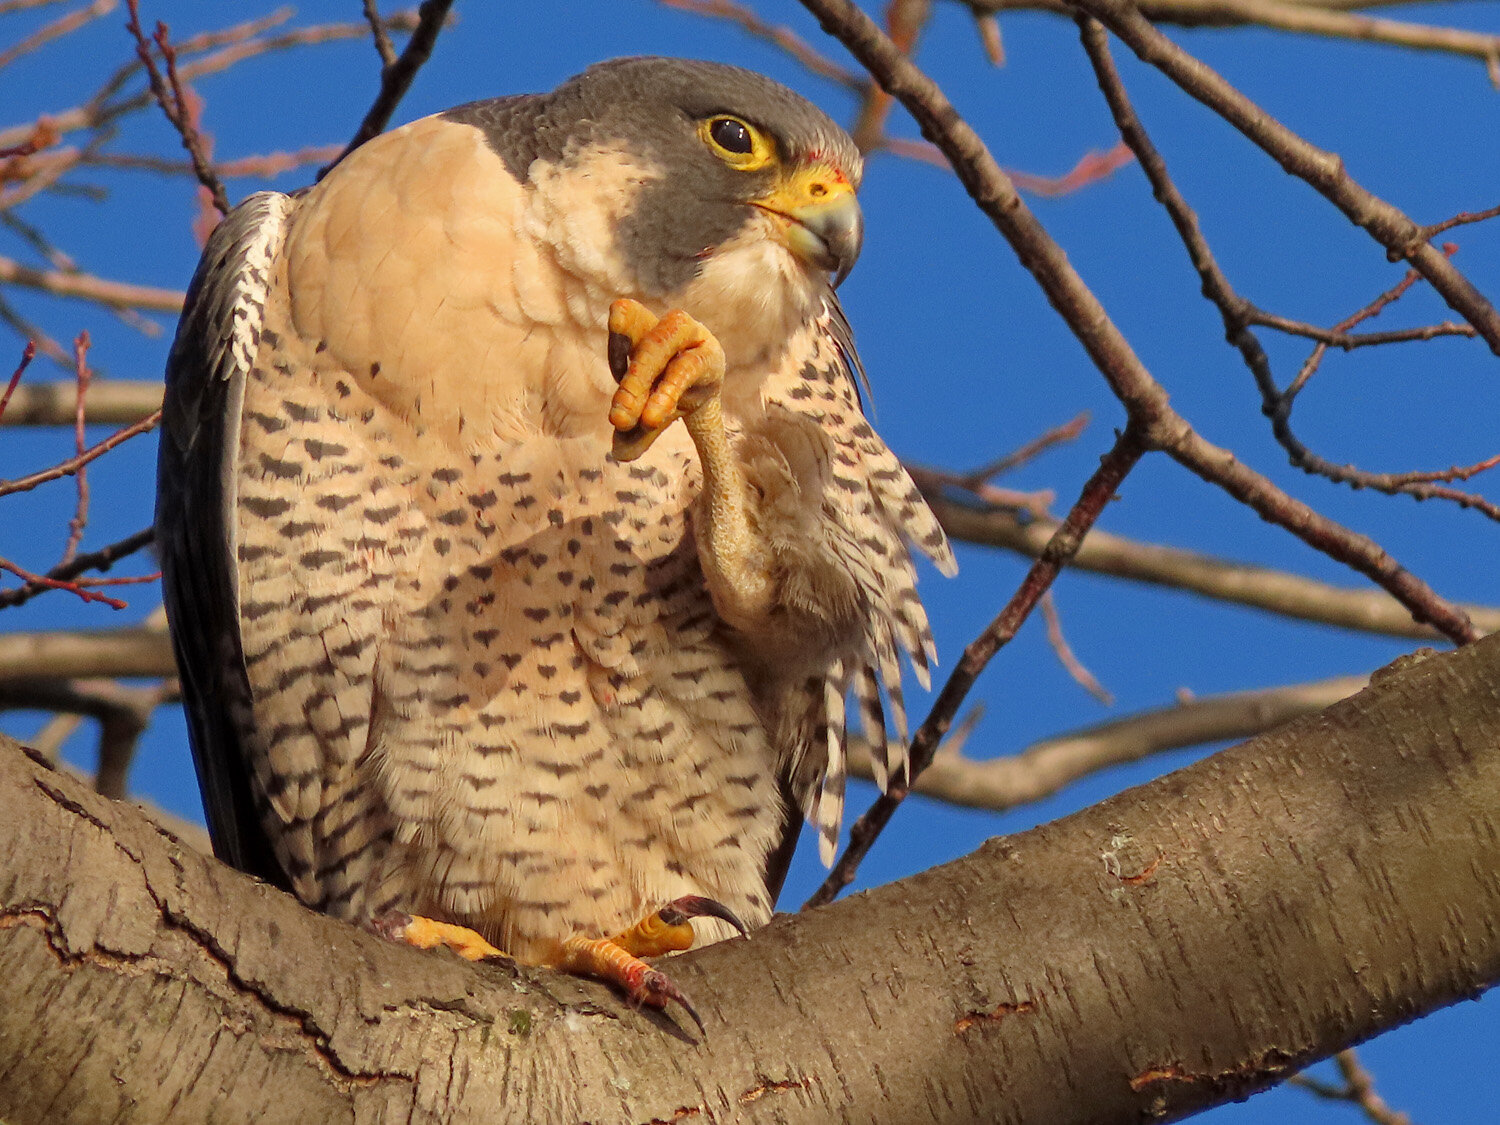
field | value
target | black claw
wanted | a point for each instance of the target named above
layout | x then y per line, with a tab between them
656	986
680	910
619	355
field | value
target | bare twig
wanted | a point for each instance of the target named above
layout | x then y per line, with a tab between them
383	46
67	576
1358	1088
396	77
1090	169
1058	435
34	580
1460	219
177	102
59	27
1047	767
73	464
1065	655
1114	466
123	714
1329	18
28	353
1238	315
83	377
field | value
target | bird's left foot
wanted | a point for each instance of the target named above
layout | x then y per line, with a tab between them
667	368
617	960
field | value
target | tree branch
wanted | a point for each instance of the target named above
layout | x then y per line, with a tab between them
1185	943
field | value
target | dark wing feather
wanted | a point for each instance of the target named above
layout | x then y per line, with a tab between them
216	342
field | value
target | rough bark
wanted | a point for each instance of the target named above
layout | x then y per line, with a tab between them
1184	943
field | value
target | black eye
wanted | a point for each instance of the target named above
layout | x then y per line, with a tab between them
731	135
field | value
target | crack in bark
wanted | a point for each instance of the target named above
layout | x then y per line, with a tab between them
979	1019
315	1039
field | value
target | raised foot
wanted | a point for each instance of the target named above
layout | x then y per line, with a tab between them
617	960
667	368
428	933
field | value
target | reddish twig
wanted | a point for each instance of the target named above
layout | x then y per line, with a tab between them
1068	431
1065	655
72	587
1114	466
73	464
83	377
63	25
1093	167
102	559
1460	219
28	353
904	21
172	95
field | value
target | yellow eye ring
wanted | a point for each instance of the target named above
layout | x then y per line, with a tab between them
737	142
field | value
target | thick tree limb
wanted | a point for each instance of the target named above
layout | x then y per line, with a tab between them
1184	943
87	652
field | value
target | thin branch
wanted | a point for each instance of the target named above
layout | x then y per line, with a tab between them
396	78
1330	20
1460	219
1058	435
83	376
383	46
66	576
230	46
116	294
177	102
123	713
1358	1088
1145	400
35	580
1320	169
1045	768
73	464
1114	466
59	27
1065	655
28	353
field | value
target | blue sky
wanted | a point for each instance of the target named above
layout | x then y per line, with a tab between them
967	360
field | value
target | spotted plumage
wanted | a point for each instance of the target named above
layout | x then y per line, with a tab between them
447	647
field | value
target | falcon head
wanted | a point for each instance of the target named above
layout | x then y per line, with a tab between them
685	182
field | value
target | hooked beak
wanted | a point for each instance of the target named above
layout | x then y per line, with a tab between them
824	226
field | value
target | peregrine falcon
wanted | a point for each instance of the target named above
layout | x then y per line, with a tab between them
478	645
